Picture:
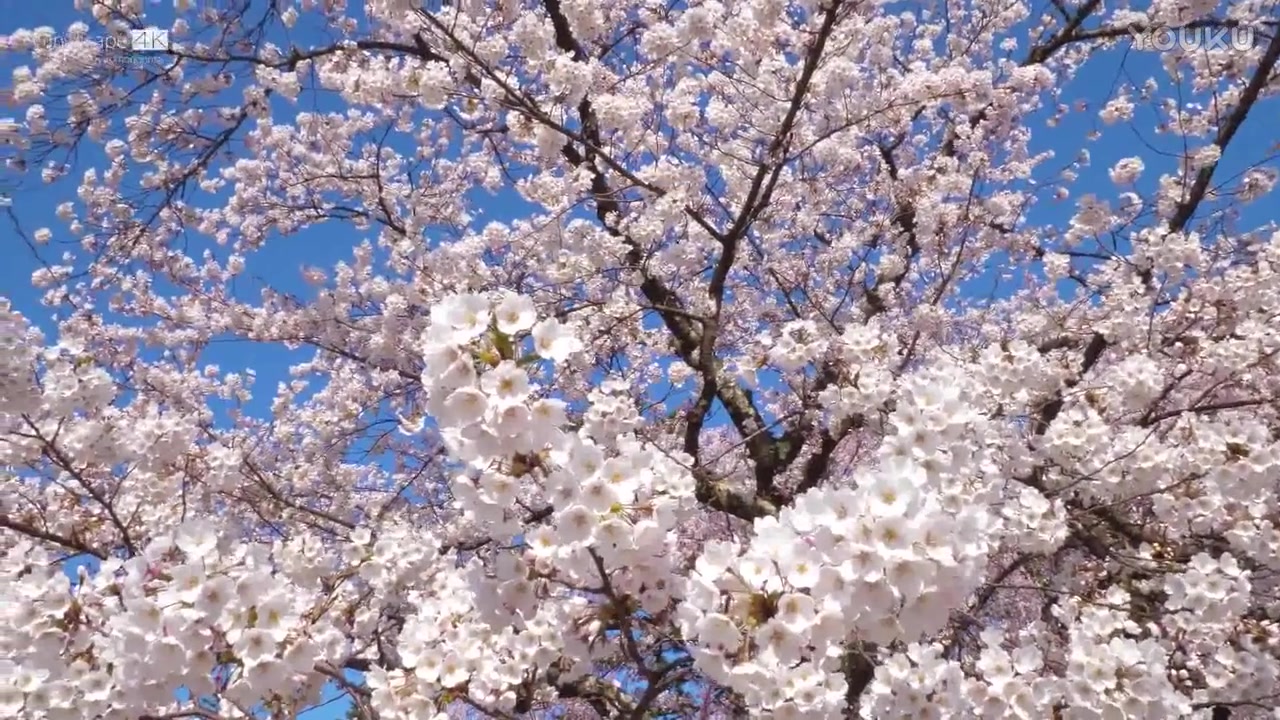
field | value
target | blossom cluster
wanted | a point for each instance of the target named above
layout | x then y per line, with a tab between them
613	506
885	561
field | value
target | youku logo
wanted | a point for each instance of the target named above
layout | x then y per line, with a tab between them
1189	37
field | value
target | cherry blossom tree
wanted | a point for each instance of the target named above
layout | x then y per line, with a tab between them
689	358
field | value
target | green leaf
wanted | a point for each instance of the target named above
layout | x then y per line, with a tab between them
502	342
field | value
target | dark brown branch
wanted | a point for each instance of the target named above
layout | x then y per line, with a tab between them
31	531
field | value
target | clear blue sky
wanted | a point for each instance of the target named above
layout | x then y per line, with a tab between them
277	265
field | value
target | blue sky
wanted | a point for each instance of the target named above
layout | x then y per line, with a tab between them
278	263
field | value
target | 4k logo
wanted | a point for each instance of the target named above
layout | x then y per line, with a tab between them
149	40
